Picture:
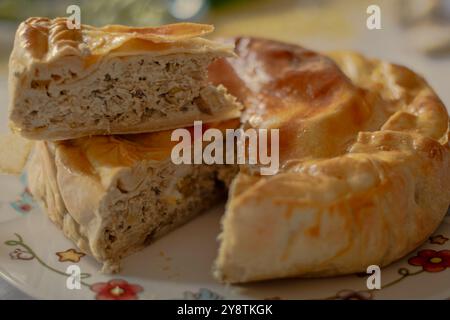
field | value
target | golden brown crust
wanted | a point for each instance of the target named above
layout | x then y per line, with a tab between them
45	39
309	97
83	155
365	163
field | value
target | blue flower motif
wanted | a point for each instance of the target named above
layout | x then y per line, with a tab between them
25	202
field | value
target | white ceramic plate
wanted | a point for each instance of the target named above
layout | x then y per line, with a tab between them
179	265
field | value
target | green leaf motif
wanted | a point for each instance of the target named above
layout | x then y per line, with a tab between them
12	243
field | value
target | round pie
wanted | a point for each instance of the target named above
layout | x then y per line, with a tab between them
364	173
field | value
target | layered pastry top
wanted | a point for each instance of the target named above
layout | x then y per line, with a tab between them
45	40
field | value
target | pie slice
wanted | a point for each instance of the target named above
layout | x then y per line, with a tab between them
113	195
364	156
69	83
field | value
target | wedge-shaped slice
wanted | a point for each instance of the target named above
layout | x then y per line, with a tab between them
68	83
113	195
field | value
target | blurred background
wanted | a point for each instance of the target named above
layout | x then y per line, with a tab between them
415	33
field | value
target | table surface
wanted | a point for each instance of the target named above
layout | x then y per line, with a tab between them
8	292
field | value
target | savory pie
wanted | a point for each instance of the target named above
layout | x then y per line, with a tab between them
364	163
113	195
68	83
364	147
